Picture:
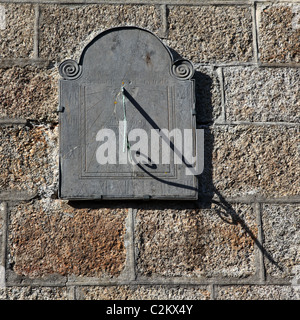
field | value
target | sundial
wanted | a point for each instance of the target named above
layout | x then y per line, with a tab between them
127	120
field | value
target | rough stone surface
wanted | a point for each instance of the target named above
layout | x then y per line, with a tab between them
198	33
270	292
51	237
72	250
17	30
208	94
29	159
253	160
279	33
196	243
144	293
29	93
281	225
66	30
262	94
34	293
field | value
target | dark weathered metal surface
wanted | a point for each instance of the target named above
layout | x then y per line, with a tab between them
125	77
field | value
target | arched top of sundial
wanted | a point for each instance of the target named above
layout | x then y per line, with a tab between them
124	53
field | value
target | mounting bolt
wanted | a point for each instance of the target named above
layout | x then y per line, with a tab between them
60	109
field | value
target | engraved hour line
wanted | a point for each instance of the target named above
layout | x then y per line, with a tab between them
85	129
94	152
102	109
100	101
87	167
92	106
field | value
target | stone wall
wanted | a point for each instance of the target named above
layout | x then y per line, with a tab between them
239	241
